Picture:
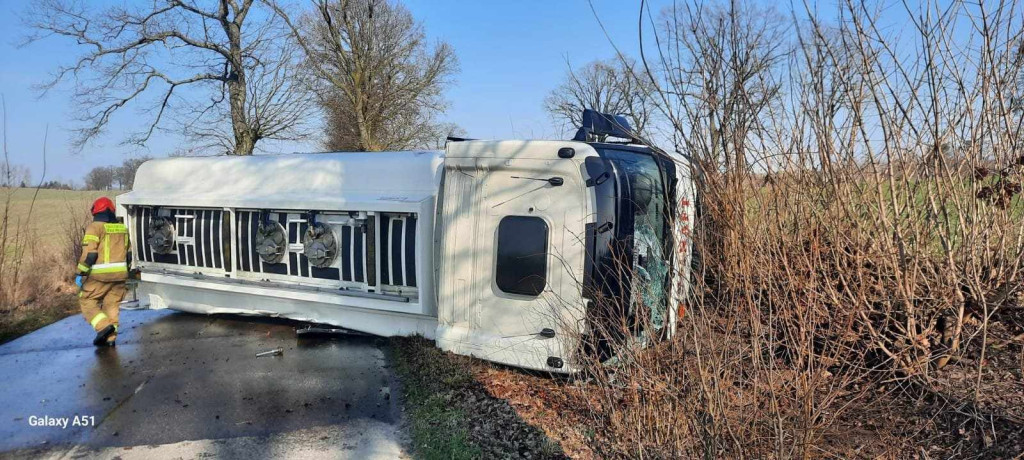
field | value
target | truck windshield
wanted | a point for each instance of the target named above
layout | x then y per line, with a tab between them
644	205
632	225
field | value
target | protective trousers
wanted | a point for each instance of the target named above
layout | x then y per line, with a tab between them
100	302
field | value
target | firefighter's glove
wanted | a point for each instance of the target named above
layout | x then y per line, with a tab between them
79	280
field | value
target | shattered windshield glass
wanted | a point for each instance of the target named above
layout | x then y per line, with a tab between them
644	202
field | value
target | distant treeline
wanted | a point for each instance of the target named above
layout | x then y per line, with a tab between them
53	184
99	178
113	177
20	176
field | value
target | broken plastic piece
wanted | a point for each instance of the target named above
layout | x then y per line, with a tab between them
131	305
311	330
274	352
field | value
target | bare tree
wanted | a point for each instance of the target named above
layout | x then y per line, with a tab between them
12	175
613	86
721	66
278	101
1017	99
162	56
380	82
100	178
124	175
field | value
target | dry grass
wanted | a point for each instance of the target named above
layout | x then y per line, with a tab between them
41	239
861	242
53	209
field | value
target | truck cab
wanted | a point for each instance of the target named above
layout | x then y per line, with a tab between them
545	247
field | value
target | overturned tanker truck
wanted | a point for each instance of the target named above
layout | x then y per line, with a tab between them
495	249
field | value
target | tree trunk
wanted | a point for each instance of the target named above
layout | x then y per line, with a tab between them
245	139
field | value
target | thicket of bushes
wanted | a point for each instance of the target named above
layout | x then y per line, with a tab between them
862	220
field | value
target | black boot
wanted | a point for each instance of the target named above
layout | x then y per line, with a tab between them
101	336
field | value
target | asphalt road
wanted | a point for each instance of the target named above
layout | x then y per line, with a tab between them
183	385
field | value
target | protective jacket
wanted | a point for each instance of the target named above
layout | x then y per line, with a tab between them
105	250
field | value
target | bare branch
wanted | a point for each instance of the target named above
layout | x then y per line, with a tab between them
127	50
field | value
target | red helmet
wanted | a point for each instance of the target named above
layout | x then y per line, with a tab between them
102	204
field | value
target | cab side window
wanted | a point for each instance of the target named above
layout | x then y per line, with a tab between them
522	265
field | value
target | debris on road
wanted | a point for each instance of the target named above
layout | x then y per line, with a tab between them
132	305
274	352
326	331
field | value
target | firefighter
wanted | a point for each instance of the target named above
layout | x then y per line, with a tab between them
102	271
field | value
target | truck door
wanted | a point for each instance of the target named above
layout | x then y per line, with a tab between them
521	225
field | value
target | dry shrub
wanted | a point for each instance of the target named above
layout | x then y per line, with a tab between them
861	201
13	247
73	230
34	285
34	274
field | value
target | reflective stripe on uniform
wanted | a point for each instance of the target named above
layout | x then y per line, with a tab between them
106	248
90	238
96	319
83	268
109	268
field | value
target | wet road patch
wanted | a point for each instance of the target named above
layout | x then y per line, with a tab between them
177	377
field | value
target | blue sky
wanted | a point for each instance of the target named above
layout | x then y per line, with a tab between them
511	55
